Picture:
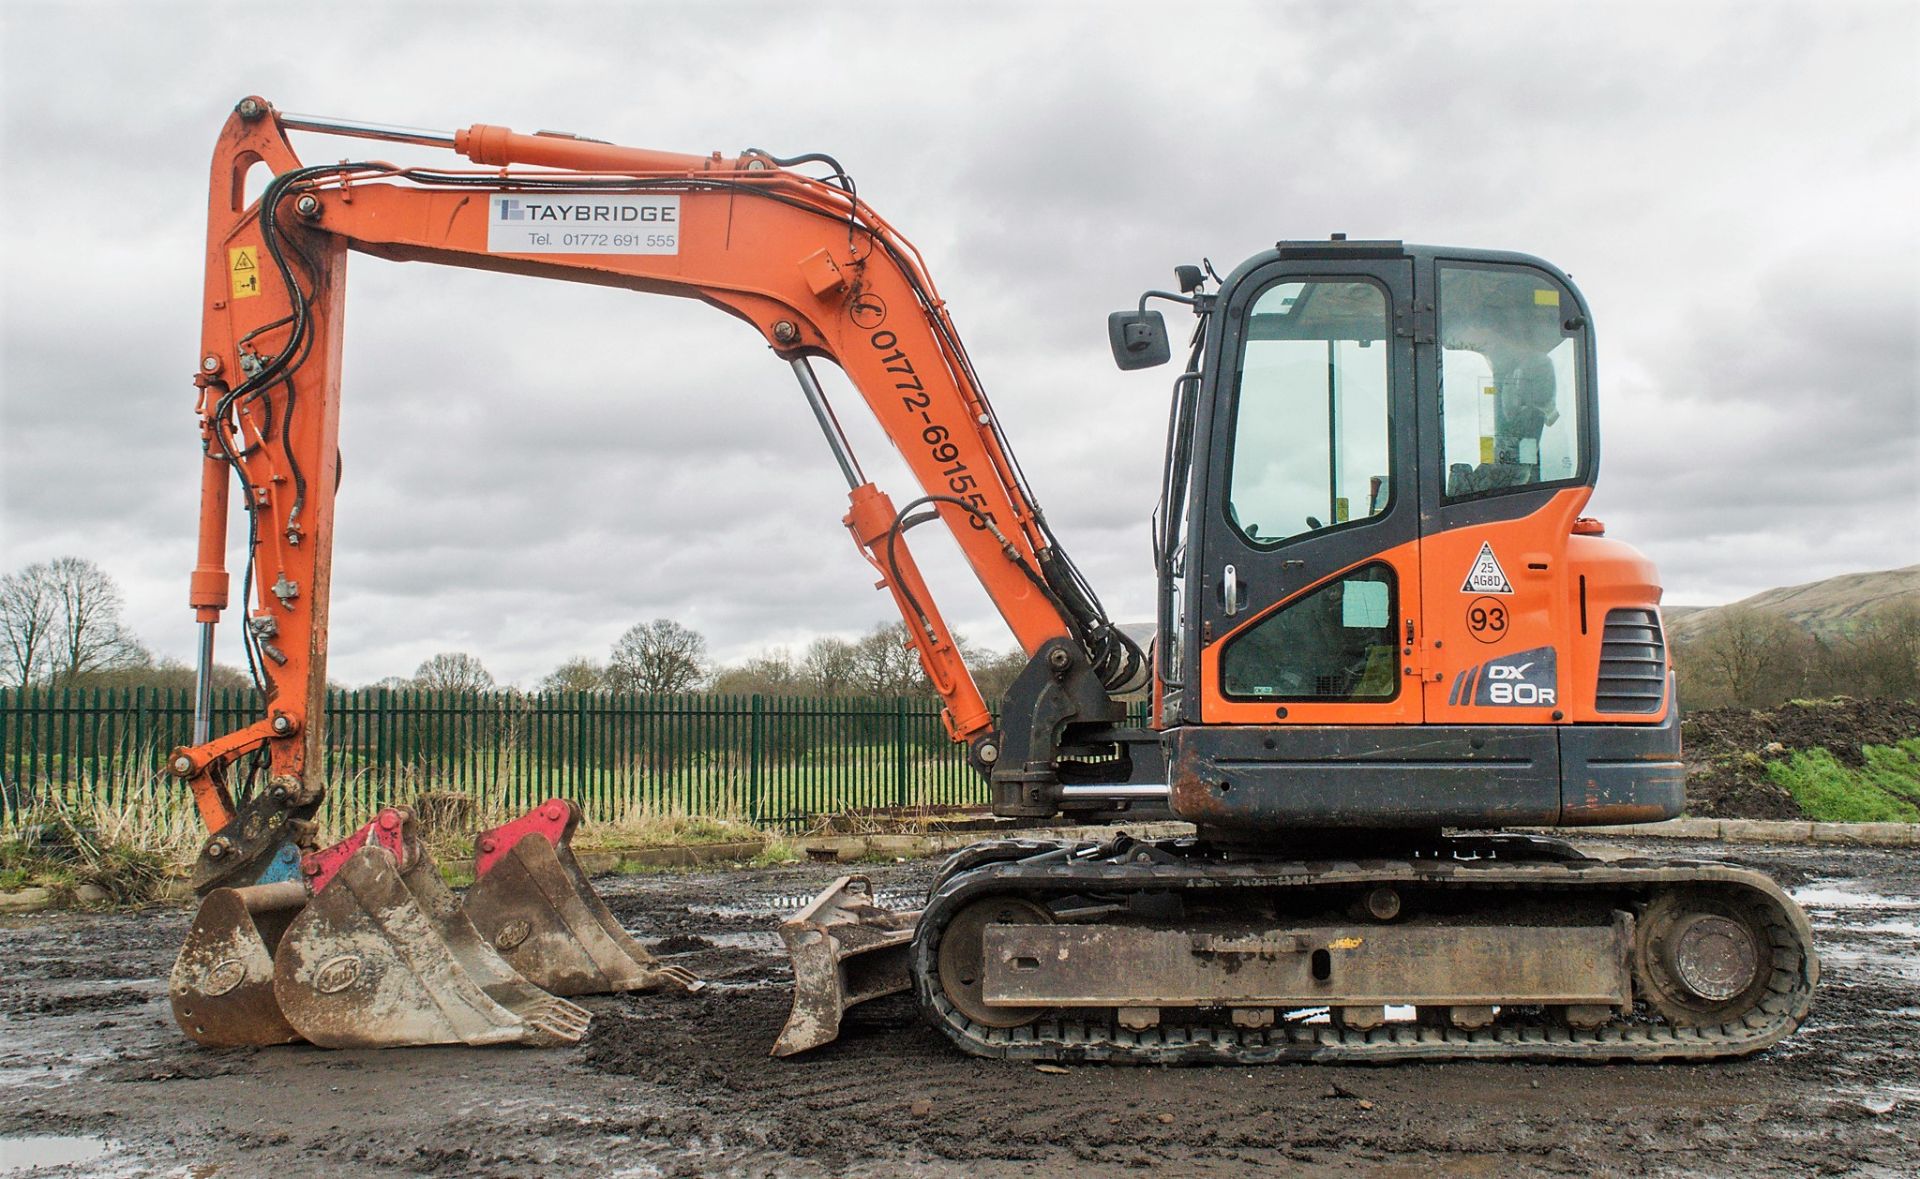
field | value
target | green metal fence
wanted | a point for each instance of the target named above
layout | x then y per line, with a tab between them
775	760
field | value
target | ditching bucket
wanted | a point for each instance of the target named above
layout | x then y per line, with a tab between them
379	956
534	906
845	950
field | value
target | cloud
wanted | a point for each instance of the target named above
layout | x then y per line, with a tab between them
531	467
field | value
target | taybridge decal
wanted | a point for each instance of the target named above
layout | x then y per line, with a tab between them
583	223
1486	576
1527	678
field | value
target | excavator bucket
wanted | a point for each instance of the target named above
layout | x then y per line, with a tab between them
377	954
535	908
845	950
222	982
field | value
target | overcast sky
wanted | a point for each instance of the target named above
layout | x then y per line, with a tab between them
531	467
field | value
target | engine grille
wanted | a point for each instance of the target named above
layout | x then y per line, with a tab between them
1633	662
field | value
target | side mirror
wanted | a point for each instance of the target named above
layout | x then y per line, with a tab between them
1138	338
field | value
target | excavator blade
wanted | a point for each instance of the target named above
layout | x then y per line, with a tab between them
845	950
533	905
383	957
222	981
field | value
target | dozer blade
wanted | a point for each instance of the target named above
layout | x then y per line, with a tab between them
534	906
382	956
845	950
222	982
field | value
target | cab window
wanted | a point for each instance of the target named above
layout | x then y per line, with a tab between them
1512	350
1311	419
1333	644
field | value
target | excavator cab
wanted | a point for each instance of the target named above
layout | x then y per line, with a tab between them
1380	606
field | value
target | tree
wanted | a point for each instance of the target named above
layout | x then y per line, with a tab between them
1746	659
885	664
60	619
578	674
658	656
827	669
91	634
1879	655
28	610
770	673
453	671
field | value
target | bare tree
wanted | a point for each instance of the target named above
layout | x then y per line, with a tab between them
770	673
29	610
453	671
1880	654
1747	659
60	619
658	656
827	669
885	664
578	674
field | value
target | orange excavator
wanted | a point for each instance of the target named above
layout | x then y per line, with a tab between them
1385	633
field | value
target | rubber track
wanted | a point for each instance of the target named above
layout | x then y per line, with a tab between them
1093	1037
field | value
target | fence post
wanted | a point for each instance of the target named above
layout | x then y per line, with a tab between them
580	748
382	722
899	751
7	801
757	741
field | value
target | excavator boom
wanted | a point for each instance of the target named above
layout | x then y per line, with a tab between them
801	259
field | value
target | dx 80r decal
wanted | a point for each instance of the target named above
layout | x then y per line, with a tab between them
1523	678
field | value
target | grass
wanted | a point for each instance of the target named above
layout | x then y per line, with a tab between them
1884	790
779	850
65	853
643	826
126	836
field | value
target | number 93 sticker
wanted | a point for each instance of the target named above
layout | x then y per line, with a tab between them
1487	619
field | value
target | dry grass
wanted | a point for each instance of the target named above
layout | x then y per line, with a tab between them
126	851
651	827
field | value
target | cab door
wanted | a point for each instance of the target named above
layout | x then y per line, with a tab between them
1507	424
1305	587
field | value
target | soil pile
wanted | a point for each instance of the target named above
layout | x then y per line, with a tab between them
1727	749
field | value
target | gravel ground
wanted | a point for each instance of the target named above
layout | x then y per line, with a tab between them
91	1068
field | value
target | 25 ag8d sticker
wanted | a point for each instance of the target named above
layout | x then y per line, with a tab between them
1526	679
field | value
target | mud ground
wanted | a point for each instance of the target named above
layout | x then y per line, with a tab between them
681	1084
1727	749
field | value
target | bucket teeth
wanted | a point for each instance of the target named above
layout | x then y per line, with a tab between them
380	955
535	907
845	950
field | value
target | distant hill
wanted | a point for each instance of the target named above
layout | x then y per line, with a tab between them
1823	607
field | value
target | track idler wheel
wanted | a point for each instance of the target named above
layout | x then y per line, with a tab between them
533	904
962	958
1701	960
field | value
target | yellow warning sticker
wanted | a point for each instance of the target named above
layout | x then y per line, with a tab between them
1486	448
1546	298
243	266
